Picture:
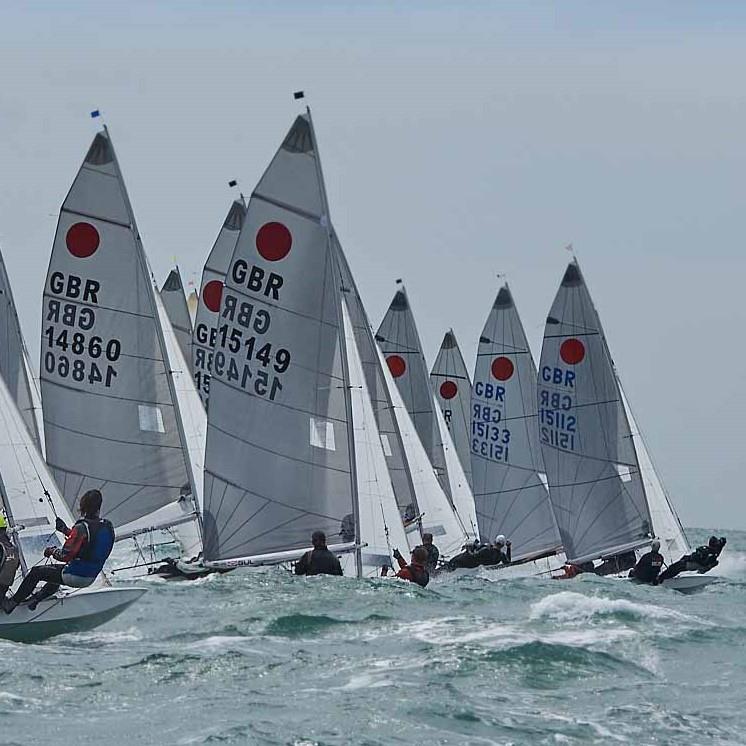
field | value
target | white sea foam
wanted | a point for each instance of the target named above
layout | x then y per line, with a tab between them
732	565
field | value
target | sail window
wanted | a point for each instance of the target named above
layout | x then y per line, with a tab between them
322	434
386	444
151	419
624	472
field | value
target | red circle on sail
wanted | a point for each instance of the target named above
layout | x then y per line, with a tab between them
572	351
448	389
212	294
502	368
82	240
396	364
273	242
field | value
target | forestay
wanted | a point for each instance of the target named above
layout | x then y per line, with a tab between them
400	343
211	293
109	408
591	465
450	381
508	479
280	461
14	361
175	303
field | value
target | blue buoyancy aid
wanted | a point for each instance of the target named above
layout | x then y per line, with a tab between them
90	561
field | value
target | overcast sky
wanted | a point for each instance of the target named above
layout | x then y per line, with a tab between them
457	144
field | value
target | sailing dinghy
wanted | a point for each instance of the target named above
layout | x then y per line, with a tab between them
601	497
211	293
399	341
120	411
31	501
177	310
292	443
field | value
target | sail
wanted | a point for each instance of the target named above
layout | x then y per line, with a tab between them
110	417
666	524
175	303
452	387
591	465
280	461
400	343
28	491
436	513
380	525
378	390
208	307
14	363
508	480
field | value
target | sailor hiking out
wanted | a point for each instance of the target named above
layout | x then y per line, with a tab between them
648	567
9	558
490	555
701	560
319	561
87	547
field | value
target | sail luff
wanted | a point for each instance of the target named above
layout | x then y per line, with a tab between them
174	301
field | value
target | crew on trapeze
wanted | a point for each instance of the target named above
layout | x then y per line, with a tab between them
609	566
319	561
477	554
87	547
9	558
701	560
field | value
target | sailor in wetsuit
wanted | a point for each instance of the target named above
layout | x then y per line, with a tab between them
649	565
319	561
433	553
701	560
497	553
87	547
9	559
416	570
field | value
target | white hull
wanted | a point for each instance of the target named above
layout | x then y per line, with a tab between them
538	568
689	583
72	612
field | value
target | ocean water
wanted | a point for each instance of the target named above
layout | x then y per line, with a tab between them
263	657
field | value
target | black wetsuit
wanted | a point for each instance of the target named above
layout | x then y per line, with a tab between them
488	555
702	559
647	568
9	562
318	562
433	555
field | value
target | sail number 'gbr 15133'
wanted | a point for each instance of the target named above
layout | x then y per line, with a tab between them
244	354
73	350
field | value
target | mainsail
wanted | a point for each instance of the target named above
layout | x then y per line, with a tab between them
508	479
175	303
400	343
111	417
280	460
15	367
452	387
211	293
592	469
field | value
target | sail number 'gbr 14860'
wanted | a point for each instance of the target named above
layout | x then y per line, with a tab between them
244	355
72	350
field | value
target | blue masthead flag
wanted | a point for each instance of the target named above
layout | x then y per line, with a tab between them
95	113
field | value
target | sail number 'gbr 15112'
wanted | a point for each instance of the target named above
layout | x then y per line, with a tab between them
244	355
72	351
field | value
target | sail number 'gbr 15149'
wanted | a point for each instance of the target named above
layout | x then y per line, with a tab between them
72	350
244	355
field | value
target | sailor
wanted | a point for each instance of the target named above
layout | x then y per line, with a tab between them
649	565
319	561
87	547
9	559
573	569
433	553
499	552
701	560
416	570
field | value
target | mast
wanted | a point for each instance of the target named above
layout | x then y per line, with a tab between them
345	365
162	341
